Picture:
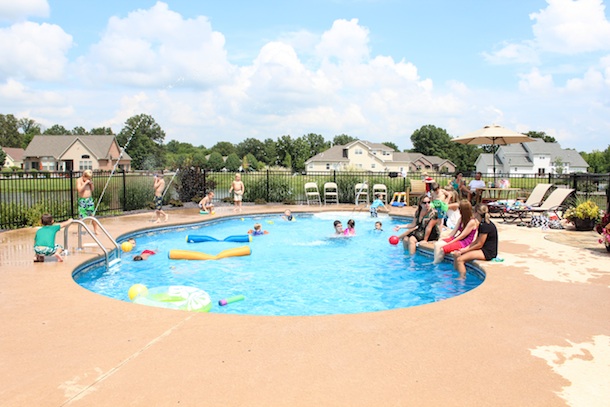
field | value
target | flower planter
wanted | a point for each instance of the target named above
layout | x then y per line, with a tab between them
583	224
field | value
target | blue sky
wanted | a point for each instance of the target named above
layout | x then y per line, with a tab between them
211	71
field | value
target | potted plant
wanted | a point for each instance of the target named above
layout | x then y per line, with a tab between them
603	228
583	213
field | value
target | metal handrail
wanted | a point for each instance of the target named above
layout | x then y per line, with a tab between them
81	225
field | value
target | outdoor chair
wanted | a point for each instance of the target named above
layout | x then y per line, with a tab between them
362	193
554	203
312	193
416	189
331	193
382	191
534	200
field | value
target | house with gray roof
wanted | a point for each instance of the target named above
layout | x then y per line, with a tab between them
75	153
14	157
536	157
374	157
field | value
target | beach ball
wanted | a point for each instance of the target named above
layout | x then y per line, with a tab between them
394	240
126	246
137	290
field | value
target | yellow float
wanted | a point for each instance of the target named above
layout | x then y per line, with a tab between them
193	255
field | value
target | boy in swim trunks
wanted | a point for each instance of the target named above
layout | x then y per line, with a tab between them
238	192
86	207
206	203
44	242
159	186
377	205
144	255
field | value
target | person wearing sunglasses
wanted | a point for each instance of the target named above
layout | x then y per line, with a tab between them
423	228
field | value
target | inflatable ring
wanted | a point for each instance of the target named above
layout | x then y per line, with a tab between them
176	297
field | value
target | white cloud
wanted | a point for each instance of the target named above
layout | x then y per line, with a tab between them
34	51
157	47
509	53
534	81
16	10
346	42
572	27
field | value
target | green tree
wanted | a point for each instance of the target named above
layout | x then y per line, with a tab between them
287	161
343	139
2	157
9	132
431	140
541	135
143	139
101	131
199	159
79	131
284	147
271	157
178	147
391	145
558	163
56	130
252	146
224	148
315	144
233	162
250	162
215	161
29	128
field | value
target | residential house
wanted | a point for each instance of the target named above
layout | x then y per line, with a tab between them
75	153
375	157
535	157
14	157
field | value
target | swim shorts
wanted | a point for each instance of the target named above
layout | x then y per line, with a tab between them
48	251
86	207
238	196
158	202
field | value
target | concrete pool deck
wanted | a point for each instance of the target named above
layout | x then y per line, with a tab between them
535	333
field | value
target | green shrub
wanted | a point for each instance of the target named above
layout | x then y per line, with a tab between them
279	190
138	196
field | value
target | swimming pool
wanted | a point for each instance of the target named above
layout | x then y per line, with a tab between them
299	268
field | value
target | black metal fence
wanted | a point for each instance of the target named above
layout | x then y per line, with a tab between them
24	197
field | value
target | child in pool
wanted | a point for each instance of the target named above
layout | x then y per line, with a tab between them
351	228
378	226
144	255
44	241
288	216
338	227
258	230
377	205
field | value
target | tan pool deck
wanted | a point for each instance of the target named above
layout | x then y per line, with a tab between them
535	333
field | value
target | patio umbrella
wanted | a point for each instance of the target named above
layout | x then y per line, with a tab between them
494	135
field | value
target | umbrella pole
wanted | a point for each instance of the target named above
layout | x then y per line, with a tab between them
493	146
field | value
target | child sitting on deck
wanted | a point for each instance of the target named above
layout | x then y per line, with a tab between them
44	242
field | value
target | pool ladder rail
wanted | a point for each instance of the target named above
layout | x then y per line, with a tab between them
82	225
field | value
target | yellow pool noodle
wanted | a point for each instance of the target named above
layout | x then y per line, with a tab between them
193	255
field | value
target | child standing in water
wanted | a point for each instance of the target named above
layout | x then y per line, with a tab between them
44	242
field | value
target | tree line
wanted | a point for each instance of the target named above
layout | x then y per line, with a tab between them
144	141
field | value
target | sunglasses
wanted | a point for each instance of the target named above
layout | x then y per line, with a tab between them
425	202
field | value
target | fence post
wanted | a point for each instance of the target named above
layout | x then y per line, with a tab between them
72	186
124	192
267	187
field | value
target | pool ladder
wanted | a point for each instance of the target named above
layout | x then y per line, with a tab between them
82	225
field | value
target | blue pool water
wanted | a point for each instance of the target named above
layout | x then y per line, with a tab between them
299	268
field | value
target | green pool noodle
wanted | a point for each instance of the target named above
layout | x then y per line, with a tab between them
227	301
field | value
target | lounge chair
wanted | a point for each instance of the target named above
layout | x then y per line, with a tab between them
533	201
554	203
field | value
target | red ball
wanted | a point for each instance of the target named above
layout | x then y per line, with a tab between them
394	240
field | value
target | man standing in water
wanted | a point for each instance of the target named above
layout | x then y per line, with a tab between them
159	187
86	206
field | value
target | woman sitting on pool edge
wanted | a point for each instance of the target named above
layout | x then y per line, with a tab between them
144	255
424	228
485	247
